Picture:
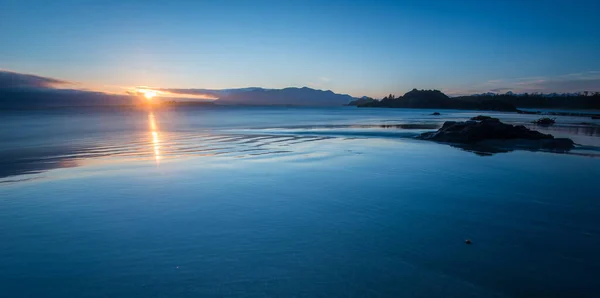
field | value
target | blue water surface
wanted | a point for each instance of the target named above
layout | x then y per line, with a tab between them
288	202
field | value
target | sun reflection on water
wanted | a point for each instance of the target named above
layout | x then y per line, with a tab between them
155	137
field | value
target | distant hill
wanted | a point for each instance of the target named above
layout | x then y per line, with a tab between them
28	97
435	99
210	93
289	96
19	90
361	101
577	101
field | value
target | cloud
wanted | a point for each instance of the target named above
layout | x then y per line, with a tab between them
501	90
25	90
208	94
9	79
494	81
568	83
201	93
574	82
562	86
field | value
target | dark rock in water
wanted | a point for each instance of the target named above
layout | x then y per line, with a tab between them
593	125
435	114
473	131
529	112
491	135
545	121
570	114
481	118
573	114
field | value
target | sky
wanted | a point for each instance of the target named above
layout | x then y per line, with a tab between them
370	48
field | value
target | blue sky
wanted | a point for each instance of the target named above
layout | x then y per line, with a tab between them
356	47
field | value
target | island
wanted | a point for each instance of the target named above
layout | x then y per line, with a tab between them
361	101
435	99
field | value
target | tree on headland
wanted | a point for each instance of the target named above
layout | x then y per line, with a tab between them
578	100
389	97
490	101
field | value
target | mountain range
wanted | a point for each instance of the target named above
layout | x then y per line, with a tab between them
260	96
26	91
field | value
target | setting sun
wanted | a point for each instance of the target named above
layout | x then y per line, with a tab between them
148	93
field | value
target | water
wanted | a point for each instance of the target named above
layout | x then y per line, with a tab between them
289	202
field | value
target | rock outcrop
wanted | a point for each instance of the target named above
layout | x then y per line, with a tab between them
482	117
491	133
545	121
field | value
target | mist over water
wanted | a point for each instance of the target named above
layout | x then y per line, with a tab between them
309	202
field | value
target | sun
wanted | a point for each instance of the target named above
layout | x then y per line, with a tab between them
148	93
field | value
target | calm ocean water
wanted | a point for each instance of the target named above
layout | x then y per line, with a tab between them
289	202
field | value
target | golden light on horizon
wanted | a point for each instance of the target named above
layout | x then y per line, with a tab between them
148	93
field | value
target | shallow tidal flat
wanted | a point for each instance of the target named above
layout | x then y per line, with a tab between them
282	202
